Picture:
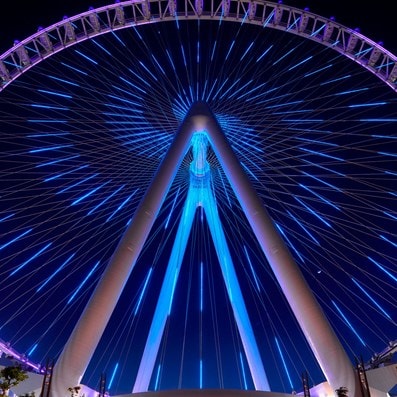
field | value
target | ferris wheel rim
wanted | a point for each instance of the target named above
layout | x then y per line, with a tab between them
48	41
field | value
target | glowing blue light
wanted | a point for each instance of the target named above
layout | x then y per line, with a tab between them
300	63
298	111
15	238
199	195
384	136
213	51
284	363
264	53
230	49
129	109
257	87
137	33
348	323
267	20
230	88
143	291
201	373
82	283
198	52
243	371
302	120
32	349
57	161
64	81
320	180
224	187
118	38
324	168
277	105
321	154
121	205
36	105
120	99
240	89
183	56
300	224
367	104
171	60
383	269
47	135
246	51
113	375
212	88
289	242
293	24
372	299
285	55
46	121
252	268
335	80
363	52
158	64
86	57
173	290
388	154
389	241
143	135
129	93
13	64
30	259
48	148
220	88
55	93
77	183
156	384
315	33
313	212
352	91
245	17
101	47
75	69
6	217
320	197
51	178
55	273
132	84
390	173
249	171
140	78
172	209
316	141
201	285
88	194
318	70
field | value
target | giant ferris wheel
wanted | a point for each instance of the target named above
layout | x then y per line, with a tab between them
157	158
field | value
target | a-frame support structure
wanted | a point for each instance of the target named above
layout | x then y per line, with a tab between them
78	351
200	194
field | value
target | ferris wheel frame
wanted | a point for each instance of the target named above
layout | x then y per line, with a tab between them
121	15
95	22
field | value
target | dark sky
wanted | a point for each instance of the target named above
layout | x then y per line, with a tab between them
375	21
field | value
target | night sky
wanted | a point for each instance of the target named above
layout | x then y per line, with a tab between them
82	135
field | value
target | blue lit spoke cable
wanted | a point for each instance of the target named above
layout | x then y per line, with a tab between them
83	134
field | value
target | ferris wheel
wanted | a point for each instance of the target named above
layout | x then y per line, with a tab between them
90	109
